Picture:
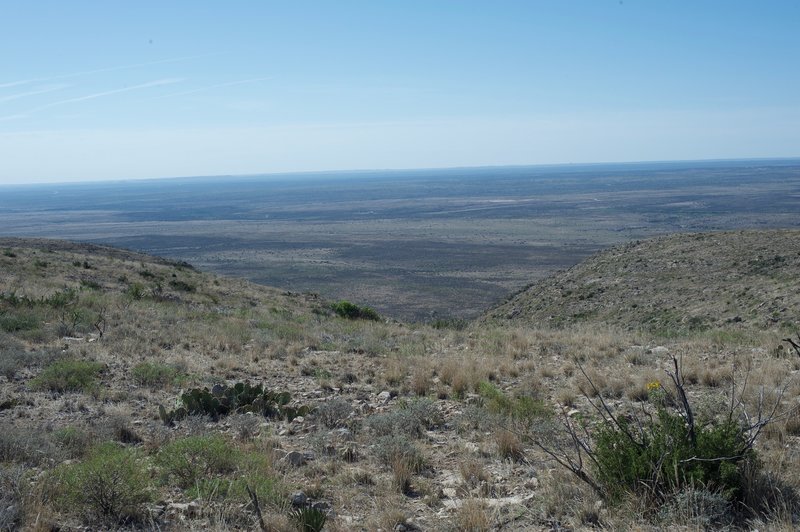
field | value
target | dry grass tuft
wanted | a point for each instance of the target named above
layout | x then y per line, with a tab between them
509	446
474	515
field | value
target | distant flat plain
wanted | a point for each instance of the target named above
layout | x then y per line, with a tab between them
417	244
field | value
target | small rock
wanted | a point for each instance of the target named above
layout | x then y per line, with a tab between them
322	506
299	498
659	350
295	458
450	493
384	397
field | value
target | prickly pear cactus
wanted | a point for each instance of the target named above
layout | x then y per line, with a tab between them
242	397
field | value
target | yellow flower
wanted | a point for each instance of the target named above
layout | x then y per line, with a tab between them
652	386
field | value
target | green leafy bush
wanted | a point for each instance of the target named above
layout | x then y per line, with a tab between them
68	376
19	320
662	458
74	441
351	311
521	408
196	458
110	486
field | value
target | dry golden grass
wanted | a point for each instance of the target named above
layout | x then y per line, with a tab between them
474	515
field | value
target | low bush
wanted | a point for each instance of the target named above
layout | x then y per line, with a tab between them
68	376
665	458
156	375
333	413
19	320
110	486
13	357
182	286
12	484
393	448
74	441
519	408
27	445
410	419
659	451
195	458
351	311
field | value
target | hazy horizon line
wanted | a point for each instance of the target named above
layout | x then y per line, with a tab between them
307	173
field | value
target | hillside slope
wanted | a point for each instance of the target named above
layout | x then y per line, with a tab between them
404	427
673	284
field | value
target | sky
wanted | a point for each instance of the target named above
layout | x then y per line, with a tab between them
94	90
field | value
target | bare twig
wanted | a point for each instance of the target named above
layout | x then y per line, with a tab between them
677	379
257	507
605	411
794	344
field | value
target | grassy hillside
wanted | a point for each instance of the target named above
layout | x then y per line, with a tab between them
400	427
674	285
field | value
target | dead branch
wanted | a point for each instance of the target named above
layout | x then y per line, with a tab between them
256	507
794	344
677	380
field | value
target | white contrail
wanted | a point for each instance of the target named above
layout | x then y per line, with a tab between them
15	83
209	87
134	65
31	93
105	69
156	83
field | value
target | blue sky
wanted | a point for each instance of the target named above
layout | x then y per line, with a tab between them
123	90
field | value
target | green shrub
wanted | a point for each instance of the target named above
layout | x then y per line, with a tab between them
521	408
19	320
182	286
309	519
110	486
396	448
196	458
456	324
13	357
156	375
662	458
411	419
68	376
348	310
26	445
73	440
12	489
254	471
135	291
